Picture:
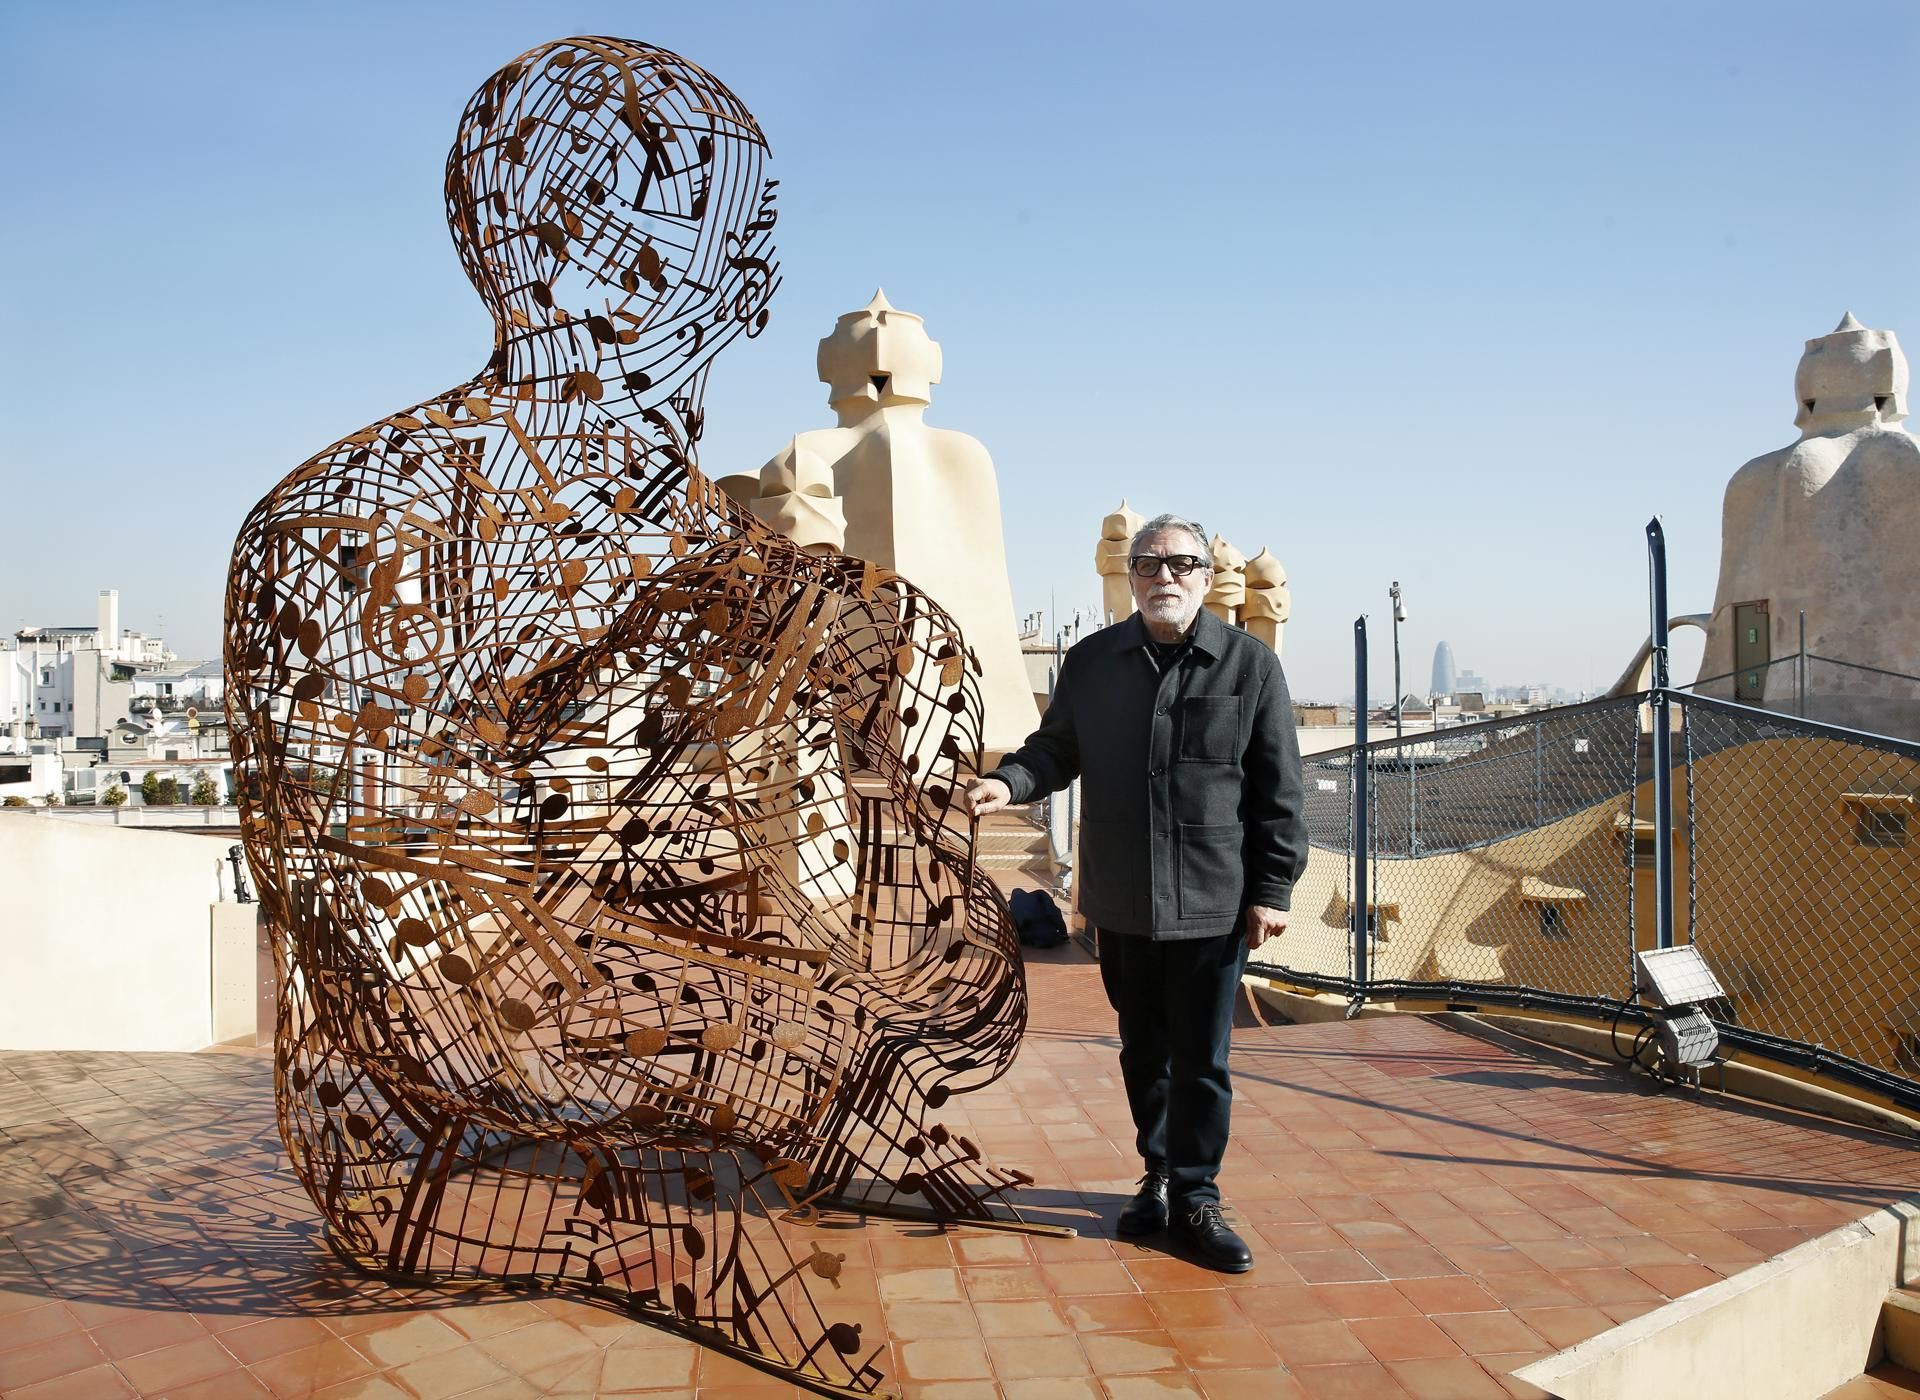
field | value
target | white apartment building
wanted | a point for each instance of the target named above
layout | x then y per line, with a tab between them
61	682
176	687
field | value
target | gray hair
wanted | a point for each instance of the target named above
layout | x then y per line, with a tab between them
1173	522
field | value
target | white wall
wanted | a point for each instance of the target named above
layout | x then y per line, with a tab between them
105	936
48	773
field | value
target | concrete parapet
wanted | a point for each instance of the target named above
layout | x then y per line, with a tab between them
1795	1326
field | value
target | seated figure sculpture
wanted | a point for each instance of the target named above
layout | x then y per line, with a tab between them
1825	526
527	718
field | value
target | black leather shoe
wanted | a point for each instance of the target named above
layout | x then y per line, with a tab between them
1146	1213
1203	1227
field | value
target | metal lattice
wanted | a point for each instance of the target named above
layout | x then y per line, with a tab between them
1514	862
1498	854
608	843
1807	852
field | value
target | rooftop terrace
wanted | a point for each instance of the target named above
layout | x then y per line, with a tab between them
1431	1211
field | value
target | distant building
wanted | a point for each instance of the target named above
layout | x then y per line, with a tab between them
1443	672
1468	680
83	709
177	687
71	682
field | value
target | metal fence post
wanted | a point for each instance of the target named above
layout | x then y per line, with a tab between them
1659	698
1800	668
1539	793
1358	915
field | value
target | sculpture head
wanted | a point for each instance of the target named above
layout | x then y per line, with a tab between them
1850	378
1267	596
1122	524
878	355
608	204
1229	588
1226	559
1265	571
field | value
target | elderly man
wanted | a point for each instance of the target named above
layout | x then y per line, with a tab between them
1191	838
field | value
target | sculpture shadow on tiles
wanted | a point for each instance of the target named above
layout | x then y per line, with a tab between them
608	840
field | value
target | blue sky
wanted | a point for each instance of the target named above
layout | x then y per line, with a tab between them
1458	295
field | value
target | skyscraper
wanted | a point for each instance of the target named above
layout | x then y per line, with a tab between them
1443	672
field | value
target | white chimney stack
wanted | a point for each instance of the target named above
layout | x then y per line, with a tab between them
109	619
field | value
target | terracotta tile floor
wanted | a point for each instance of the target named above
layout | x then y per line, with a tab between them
1431	1211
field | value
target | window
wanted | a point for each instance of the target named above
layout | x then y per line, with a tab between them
1881	828
1879	818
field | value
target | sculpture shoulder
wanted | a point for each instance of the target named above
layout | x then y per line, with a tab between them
1892	445
960	447
1759	473
402	456
817	444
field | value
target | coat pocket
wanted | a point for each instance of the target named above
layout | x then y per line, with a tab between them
1212	869
1210	729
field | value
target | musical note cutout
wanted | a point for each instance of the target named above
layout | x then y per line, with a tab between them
623	915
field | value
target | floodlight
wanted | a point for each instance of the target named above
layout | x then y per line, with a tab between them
1675	978
1688	1040
1673	982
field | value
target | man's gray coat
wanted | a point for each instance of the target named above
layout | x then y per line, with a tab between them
1190	780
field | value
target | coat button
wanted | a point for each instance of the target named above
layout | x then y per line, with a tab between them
1157	772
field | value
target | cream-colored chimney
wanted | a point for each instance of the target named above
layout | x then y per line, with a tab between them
108	619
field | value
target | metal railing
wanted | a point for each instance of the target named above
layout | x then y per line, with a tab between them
1522	862
1846	693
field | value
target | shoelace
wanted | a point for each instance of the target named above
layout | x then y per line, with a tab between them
1207	1216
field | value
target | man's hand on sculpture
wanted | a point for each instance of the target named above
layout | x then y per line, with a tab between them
986	795
1264	923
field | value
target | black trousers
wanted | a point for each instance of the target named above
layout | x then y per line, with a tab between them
1175	1002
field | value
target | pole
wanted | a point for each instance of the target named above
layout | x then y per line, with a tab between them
1538	795
1394	593
1800	667
1359	914
1660	701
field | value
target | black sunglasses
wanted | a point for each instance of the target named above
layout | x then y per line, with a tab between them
1179	565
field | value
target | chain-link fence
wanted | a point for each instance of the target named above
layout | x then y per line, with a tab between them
1805	881
1513	862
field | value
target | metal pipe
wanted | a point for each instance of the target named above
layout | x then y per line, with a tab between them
1359	915
1659	699
1539	794
1800	670
1398	613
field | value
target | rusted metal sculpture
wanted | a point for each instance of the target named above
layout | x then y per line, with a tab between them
611	846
